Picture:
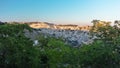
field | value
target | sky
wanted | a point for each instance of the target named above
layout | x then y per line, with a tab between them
80	12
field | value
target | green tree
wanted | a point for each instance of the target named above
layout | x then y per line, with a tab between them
99	55
104	52
17	51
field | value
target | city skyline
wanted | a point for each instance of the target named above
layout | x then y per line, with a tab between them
80	12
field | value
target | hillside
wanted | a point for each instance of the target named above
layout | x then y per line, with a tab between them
54	26
24	47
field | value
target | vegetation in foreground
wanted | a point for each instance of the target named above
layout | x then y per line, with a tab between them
17	51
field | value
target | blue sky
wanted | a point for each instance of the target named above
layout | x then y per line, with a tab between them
79	12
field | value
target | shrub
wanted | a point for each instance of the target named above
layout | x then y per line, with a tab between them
17	51
99	55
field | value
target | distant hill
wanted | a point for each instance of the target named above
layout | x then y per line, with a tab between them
38	25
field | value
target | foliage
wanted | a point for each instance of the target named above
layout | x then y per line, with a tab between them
106	32
17	51
99	55
107	53
58	54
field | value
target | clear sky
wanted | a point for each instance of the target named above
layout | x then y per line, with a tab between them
79	12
